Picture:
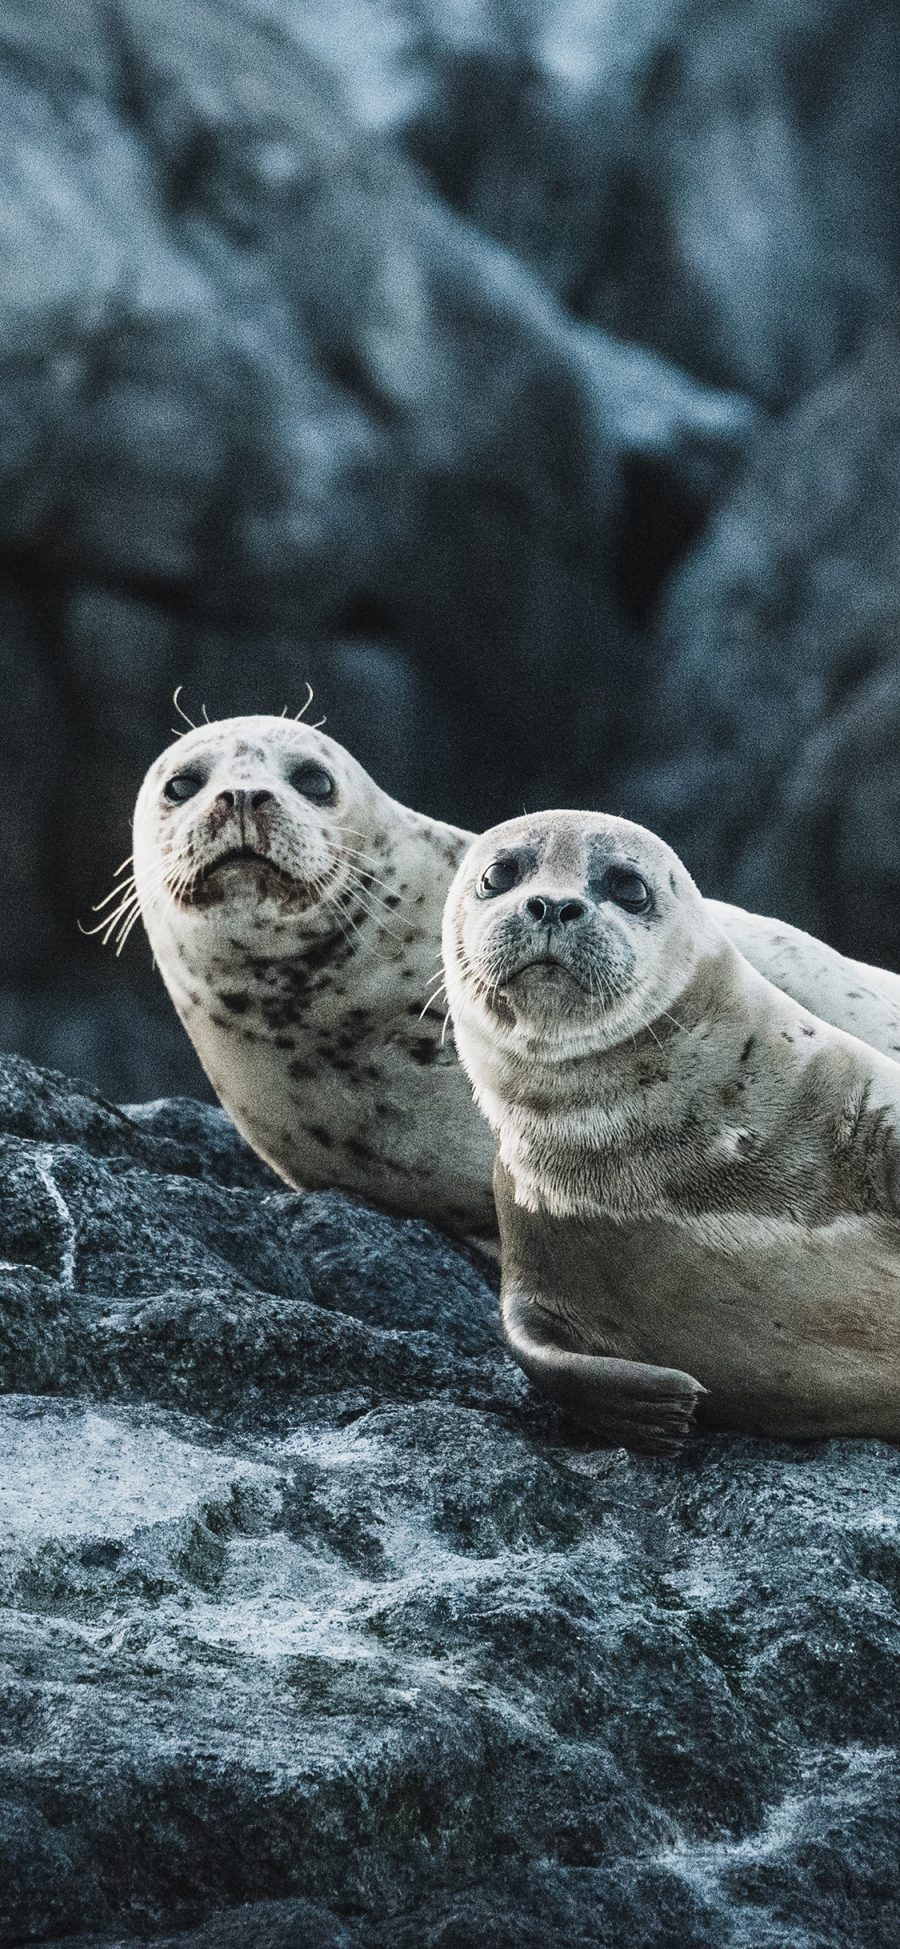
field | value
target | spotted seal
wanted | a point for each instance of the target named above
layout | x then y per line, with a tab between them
698	1180
294	912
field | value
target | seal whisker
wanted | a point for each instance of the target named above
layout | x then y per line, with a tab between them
375	913
108	921
126	930
370	860
181	712
363	882
432	999
352	852
124	887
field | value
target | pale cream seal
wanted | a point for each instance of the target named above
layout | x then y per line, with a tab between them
294	913
698	1180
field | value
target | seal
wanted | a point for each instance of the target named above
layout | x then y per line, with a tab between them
698	1180
294	912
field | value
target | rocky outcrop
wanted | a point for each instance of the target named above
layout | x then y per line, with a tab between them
779	712
317	1628
410	353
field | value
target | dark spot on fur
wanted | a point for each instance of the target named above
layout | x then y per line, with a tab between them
302	1071
747	1047
285	1042
808	1031
327	948
423	1050
392	899
320	1134
672	883
238	1003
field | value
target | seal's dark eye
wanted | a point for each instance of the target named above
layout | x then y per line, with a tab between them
628	890
182	786
499	876
314	782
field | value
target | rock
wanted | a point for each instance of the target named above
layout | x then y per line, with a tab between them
317	1627
780	705
715	182
275	409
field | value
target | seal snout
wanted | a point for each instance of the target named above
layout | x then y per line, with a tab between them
246	818
242	801
545	938
548	912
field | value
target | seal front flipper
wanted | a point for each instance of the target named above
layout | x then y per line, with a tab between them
621	1402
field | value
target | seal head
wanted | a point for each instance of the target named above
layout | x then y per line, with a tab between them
238	835
564	934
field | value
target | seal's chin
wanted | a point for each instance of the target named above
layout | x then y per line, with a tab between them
545	973
243	871
541	987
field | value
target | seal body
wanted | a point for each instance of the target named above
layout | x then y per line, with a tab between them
698	1180
294	913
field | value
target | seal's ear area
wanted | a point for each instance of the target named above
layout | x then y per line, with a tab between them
620	1402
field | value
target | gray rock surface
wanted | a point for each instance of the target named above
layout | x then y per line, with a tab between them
404	349
779	712
319	1631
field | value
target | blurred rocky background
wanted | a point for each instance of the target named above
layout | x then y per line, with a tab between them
521	373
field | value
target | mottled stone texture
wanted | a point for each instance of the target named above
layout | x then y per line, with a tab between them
318	1631
413	349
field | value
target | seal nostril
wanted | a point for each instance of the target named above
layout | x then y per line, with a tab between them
259	798
554	913
226	799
